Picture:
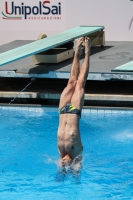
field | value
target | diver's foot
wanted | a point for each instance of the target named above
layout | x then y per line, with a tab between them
87	44
79	45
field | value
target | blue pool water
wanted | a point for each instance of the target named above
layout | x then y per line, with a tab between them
28	156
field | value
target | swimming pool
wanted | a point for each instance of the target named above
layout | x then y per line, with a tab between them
28	155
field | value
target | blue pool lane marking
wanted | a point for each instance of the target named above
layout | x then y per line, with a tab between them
128	67
47	43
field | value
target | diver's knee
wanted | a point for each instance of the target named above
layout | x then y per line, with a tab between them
80	83
72	81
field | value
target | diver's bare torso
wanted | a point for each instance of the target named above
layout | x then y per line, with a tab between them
69	141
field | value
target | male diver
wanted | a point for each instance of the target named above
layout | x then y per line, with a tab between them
70	107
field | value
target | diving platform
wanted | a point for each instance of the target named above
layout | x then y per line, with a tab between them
48	43
103	61
127	67
104	87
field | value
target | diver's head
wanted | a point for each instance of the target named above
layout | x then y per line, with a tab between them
66	161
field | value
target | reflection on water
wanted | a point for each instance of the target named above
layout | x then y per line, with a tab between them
124	136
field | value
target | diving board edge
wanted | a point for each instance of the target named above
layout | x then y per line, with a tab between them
127	67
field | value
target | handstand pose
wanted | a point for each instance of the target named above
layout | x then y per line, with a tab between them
70	106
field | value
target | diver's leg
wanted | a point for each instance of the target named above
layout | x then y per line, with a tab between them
75	69
78	95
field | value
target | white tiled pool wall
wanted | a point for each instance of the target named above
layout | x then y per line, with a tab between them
41	110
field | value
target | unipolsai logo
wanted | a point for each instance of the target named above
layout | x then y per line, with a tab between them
44	10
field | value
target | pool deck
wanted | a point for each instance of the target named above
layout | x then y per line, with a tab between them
105	84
